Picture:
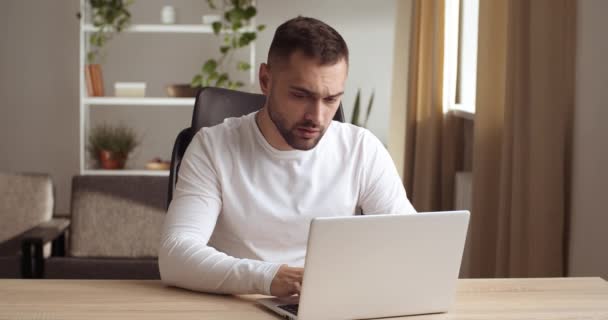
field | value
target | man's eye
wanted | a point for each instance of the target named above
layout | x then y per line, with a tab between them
330	100
298	95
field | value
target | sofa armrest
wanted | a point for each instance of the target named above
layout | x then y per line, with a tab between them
33	241
46	231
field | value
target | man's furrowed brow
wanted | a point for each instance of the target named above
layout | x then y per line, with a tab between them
302	90
315	94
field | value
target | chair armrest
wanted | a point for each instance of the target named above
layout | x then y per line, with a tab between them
33	241
46	231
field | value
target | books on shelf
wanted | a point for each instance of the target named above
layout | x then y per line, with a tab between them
94	80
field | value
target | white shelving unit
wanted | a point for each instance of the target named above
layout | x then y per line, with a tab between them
126	172
119	101
87	102
164	28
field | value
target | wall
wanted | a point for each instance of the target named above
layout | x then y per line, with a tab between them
589	223
39	74
369	30
39	90
403	29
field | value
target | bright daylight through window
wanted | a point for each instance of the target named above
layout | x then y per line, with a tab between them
460	56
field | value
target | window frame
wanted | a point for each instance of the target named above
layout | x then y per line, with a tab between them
460	57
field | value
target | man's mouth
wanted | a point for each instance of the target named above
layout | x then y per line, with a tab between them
307	132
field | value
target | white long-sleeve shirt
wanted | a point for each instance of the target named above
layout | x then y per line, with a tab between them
242	208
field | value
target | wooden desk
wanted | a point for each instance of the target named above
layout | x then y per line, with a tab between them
558	298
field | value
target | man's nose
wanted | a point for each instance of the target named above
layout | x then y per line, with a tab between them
314	112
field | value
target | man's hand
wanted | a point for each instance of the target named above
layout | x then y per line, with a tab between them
287	281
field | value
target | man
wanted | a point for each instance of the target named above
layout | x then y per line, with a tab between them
249	187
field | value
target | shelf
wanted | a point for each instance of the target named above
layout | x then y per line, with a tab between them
126	172
155	30
163	28
120	101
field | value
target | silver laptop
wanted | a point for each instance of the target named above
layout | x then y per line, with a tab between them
378	266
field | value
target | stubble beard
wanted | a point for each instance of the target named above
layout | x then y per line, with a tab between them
288	133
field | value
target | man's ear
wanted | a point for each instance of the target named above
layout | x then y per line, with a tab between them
264	78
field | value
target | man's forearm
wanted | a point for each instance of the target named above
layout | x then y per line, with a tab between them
185	262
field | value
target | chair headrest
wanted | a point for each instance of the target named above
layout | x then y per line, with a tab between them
213	105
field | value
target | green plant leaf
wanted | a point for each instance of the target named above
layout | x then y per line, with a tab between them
235	15
196	81
211	4
243	66
217	27
261	27
213	76
355	117
224	49
250	12
93	39
246	38
369	109
209	66
221	80
91	57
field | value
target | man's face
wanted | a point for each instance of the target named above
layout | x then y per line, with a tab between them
303	97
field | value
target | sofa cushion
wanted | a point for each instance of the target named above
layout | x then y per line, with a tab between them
117	216
26	200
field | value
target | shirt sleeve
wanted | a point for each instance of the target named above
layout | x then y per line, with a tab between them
185	258
382	191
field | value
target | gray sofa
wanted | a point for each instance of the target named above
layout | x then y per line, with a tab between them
26	216
115	229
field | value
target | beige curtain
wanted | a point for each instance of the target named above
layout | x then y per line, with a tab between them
521	159
433	139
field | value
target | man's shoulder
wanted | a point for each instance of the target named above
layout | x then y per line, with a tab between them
228	129
350	133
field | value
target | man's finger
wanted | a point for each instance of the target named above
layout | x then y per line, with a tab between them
297	286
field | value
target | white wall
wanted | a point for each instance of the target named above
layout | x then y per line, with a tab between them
369	30
589	228
39	74
399	94
39	90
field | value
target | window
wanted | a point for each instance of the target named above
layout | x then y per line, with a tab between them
460	56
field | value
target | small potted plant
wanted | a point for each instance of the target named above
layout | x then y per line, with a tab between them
111	145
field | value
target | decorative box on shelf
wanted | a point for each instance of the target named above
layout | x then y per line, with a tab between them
130	89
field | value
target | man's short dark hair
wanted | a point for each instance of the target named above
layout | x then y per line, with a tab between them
314	38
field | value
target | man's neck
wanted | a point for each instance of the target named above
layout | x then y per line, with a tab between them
269	130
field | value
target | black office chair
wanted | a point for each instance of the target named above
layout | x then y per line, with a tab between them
211	107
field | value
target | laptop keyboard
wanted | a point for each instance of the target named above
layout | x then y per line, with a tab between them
291	308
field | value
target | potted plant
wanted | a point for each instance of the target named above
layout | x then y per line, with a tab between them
111	145
236	33
108	17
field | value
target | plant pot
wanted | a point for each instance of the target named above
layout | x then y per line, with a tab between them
182	91
111	161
